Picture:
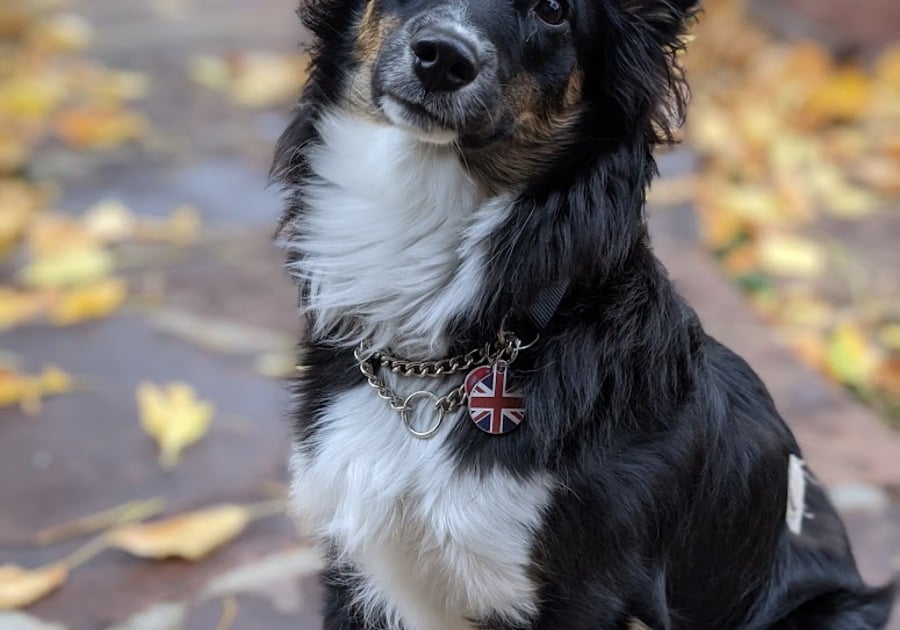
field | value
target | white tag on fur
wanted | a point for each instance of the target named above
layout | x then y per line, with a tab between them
796	496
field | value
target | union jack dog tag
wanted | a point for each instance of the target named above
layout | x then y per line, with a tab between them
495	407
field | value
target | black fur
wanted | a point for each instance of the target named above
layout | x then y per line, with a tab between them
673	456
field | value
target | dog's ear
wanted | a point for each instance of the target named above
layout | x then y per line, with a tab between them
668	19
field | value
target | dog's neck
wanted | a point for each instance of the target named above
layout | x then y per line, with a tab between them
392	244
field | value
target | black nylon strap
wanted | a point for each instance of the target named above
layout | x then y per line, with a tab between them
545	306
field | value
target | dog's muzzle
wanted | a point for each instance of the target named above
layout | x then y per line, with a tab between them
436	77
444	60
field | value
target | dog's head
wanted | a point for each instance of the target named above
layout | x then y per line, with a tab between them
508	83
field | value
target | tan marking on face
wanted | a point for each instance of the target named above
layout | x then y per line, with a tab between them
368	41
372	31
542	127
539	119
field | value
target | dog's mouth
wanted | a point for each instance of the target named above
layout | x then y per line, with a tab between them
416	119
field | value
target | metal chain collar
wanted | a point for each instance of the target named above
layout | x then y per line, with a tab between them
505	348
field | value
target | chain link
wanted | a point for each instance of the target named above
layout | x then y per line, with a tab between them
507	346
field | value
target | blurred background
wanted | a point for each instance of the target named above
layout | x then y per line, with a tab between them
146	327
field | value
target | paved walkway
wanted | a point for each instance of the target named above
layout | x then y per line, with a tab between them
84	454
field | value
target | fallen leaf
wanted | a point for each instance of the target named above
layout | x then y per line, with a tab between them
229	613
276	364
62	32
190	536
89	302
845	95
118	516
850	357
22	587
27	391
19	307
99	127
787	255
174	417
110	221
887	375
20	203
889	334
263	79
68	268
51	234
211	72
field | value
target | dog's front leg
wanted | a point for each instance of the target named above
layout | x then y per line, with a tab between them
340	613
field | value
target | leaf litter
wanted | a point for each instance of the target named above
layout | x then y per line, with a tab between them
796	144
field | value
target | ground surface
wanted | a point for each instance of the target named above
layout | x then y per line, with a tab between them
61	466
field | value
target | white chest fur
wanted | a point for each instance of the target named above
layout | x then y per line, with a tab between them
394	235
433	544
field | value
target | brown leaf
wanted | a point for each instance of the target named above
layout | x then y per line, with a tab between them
22	587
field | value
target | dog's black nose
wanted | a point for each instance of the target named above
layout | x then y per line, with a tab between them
444	61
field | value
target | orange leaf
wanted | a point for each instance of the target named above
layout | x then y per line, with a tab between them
99	127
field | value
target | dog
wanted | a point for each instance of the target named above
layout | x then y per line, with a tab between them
509	418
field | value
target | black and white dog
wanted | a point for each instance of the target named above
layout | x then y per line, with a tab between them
510	419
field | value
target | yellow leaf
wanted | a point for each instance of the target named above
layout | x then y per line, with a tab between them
27	391
89	302
786	255
32	97
21	587
889	334
18	205
110	221
850	357
174	417
211	72
845	95
54	381
15	388
263	79
68	268
751	202
190	536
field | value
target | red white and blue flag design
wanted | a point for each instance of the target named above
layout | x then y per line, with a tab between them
494	406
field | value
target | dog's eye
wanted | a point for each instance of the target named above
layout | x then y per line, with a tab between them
551	11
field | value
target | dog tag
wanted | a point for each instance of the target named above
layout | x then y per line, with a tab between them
494	406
